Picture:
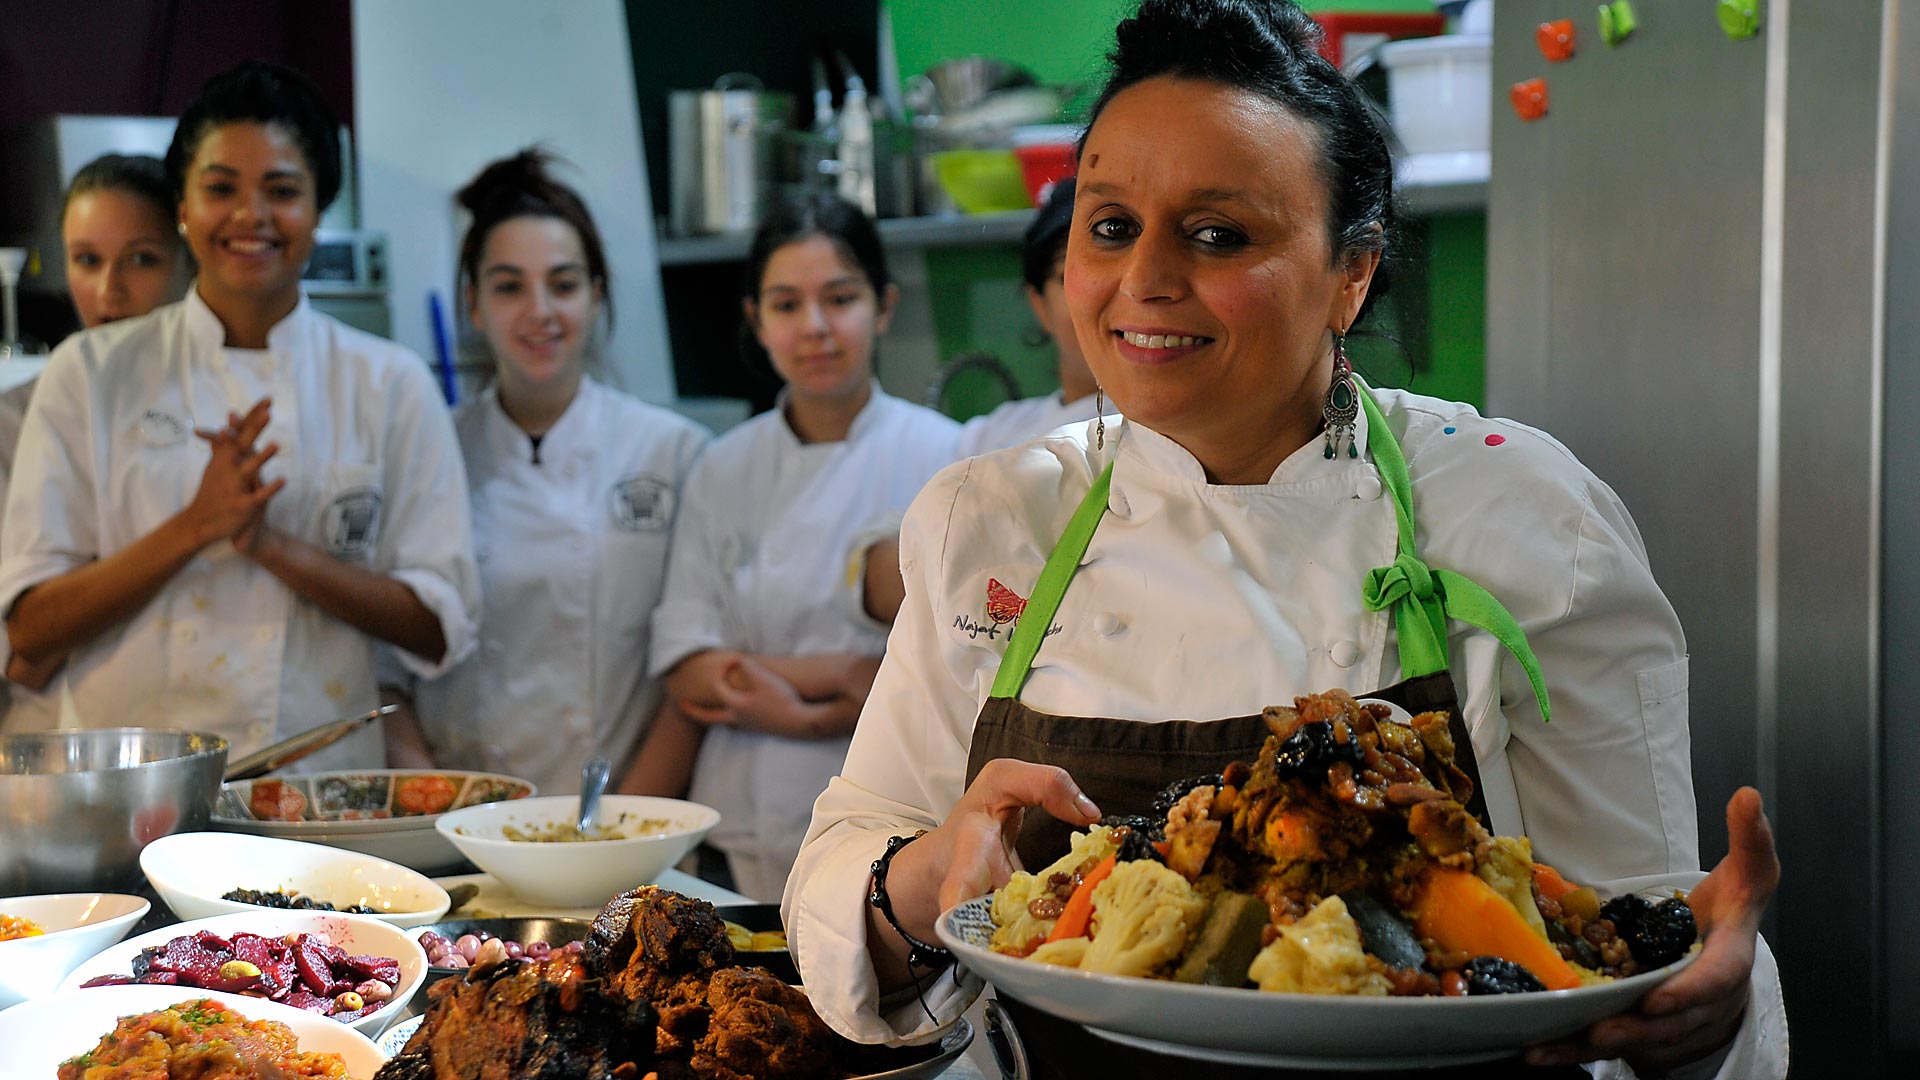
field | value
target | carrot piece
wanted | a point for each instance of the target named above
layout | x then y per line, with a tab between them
1550	883
1078	913
1461	912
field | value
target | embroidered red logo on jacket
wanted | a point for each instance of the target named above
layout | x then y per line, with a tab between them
1003	604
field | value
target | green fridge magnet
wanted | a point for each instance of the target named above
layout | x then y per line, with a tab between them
1739	18
1616	21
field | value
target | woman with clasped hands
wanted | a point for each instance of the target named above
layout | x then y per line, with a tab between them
1258	524
218	509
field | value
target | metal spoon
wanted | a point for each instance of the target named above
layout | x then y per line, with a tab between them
593	780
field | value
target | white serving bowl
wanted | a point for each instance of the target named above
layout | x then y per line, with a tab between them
42	1033
581	874
191	871
385	813
359	935
77	925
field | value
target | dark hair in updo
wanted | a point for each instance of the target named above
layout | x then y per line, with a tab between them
1271	48
1046	237
261	93
140	175
789	221
523	186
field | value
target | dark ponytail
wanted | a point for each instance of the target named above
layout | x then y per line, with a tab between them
523	186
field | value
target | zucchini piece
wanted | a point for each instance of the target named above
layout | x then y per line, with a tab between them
1384	933
1228	941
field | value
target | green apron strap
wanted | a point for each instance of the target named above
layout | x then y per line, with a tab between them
1031	629
1422	598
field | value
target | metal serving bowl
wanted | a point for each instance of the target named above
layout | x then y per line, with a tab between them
76	807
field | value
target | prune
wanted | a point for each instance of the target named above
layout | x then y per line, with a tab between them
1174	792
1313	747
1492	975
1624	911
1137	845
1662	934
1154	828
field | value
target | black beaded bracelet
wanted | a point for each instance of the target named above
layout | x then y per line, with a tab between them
919	953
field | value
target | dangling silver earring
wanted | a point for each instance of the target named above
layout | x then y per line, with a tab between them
1099	418
1343	404
183	228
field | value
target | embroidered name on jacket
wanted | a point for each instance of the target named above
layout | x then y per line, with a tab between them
1004	607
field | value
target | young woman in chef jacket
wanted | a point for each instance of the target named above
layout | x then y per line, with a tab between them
1259	524
574	486
1042	259
123	260
220	509
766	653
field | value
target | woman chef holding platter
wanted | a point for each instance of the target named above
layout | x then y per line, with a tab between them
218	510
1261	526
574	487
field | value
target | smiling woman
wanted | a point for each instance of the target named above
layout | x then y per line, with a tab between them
1260	526
216	507
574	489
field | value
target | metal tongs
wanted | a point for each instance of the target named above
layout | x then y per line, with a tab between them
288	751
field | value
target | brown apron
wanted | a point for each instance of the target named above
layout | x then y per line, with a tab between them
1122	764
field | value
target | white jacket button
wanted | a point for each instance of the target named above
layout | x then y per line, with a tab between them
1367	488
1108	624
1344	653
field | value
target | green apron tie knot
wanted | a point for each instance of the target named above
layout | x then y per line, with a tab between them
1406	576
1422	598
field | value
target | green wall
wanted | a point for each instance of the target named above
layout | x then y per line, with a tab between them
1436	323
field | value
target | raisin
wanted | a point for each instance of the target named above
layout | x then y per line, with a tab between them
1492	975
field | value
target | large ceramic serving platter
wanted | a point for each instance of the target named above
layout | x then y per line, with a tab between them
42	1033
1249	1027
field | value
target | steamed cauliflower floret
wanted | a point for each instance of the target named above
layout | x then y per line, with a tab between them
1506	863
1015	927
1067	952
1319	954
1144	915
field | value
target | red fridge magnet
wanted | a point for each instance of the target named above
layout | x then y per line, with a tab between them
1529	99
1556	40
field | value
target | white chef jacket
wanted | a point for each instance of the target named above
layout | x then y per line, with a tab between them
373	476
1015	422
760	563
573	557
13	411
1200	601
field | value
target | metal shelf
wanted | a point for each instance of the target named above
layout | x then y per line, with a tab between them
947	230
1006	228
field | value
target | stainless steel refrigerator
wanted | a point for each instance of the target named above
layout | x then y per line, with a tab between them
1704	278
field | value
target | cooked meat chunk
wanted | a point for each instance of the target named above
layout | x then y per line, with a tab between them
653	936
528	1021
761	1029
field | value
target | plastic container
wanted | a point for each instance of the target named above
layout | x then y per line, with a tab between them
982	181
1440	91
1043	166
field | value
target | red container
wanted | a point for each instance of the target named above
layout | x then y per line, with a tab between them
1351	33
1043	166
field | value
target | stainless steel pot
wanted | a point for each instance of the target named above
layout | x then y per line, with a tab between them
77	807
722	148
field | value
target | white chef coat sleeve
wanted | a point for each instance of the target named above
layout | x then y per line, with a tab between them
697	607
904	772
1606	788
52	522
427	539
